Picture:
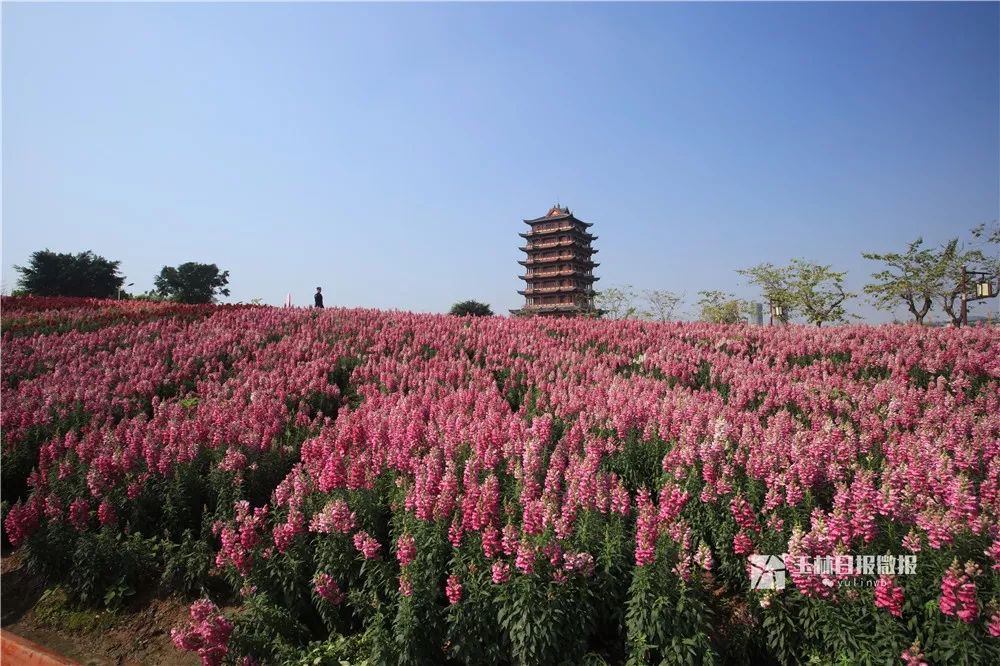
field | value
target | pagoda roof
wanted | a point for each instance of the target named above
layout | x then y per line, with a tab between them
539	234
558	212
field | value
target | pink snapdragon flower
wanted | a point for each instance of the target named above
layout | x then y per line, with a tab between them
327	588
406	549
646	529
207	634
500	572
367	544
889	595
453	589
958	592
405	585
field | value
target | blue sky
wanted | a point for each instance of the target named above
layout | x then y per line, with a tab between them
389	152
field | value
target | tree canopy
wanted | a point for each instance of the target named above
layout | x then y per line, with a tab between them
917	277
774	283
721	308
473	308
662	304
84	274
616	302
817	291
624	302
192	282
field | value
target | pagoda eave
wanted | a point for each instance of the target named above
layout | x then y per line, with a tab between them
560	245
535	234
542	310
567	274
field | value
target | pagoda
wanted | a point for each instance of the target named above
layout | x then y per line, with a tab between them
559	270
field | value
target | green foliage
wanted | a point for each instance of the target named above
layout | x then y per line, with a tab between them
472	308
637	463
721	308
101	568
268	631
916	277
544	622
474	637
781	630
774	282
667	622
340	377
186	565
662	304
956	259
814	290
55	609
621	303
192	282
617	302
350	650
83	274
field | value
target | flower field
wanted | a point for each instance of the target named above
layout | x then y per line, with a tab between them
357	486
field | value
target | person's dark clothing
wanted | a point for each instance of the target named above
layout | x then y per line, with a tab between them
318	298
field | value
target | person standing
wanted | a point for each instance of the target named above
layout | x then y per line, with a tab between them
318	297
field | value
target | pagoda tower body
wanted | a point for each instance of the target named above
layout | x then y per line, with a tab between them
559	267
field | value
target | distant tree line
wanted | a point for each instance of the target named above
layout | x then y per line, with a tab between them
89	275
918	278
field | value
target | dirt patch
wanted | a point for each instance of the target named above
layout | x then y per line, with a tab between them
137	635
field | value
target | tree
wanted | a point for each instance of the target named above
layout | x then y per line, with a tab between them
662	304
954	260
616	302
721	308
917	277
774	283
987	242
988	233
474	308
192	282
817	291
84	274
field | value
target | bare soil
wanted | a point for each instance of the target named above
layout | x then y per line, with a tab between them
136	635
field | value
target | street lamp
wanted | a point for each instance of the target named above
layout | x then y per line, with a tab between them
984	290
120	290
776	311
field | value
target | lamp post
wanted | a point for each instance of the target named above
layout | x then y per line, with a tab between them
984	290
120	290
776	311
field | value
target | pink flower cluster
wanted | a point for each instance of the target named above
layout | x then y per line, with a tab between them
509	434
367	544
958	592
336	516
406	549
889	595
239	541
327	588
453	589
207	634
